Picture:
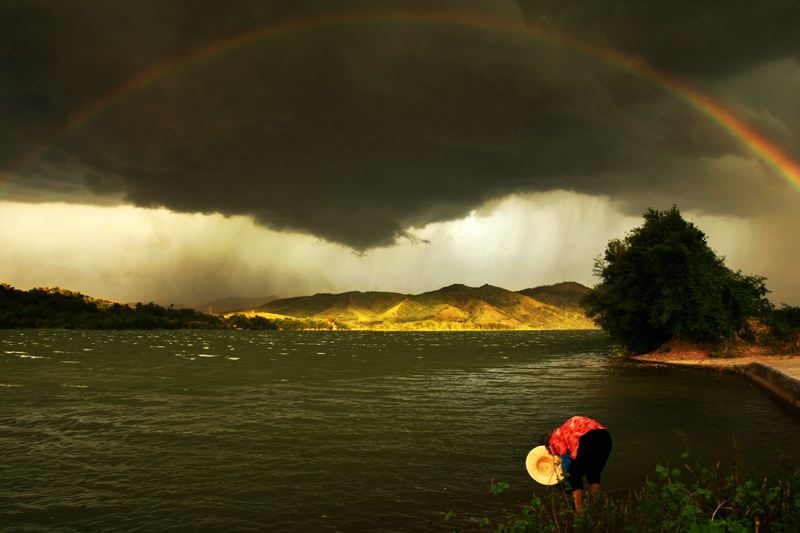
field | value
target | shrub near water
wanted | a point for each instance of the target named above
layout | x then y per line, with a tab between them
781	330
695	498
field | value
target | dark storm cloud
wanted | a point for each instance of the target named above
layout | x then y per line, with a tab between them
356	132
700	38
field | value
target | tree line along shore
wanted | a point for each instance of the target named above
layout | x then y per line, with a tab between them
55	308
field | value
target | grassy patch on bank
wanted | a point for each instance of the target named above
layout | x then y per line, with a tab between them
694	497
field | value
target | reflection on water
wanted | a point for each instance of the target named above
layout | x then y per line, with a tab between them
246	431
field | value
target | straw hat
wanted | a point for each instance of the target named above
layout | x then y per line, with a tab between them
544	467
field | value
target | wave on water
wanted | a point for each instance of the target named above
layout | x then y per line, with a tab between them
329	431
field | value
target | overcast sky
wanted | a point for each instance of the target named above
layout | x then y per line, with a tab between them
189	150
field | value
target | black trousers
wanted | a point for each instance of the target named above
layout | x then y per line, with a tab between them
594	447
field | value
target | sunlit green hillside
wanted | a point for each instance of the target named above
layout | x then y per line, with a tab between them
564	294
453	307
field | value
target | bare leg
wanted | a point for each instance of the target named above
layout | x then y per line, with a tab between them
577	495
594	488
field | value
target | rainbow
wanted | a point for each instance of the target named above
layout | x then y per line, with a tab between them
761	147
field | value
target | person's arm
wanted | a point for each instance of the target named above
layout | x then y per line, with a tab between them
557	445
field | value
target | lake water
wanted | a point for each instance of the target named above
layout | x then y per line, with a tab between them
333	431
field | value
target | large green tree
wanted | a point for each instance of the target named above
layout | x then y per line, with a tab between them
662	281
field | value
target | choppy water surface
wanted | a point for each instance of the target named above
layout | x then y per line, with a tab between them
331	431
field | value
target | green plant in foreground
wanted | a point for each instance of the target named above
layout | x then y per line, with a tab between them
695	498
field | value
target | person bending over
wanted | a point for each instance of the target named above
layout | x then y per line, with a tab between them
584	446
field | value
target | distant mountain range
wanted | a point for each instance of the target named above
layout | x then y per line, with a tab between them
453	307
564	295
234	303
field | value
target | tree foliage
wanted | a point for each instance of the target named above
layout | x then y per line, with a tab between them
63	309
663	281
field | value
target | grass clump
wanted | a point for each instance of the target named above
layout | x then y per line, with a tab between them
694	498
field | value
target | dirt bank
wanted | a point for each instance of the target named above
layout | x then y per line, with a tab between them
682	353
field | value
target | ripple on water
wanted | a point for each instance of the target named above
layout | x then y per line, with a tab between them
340	432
